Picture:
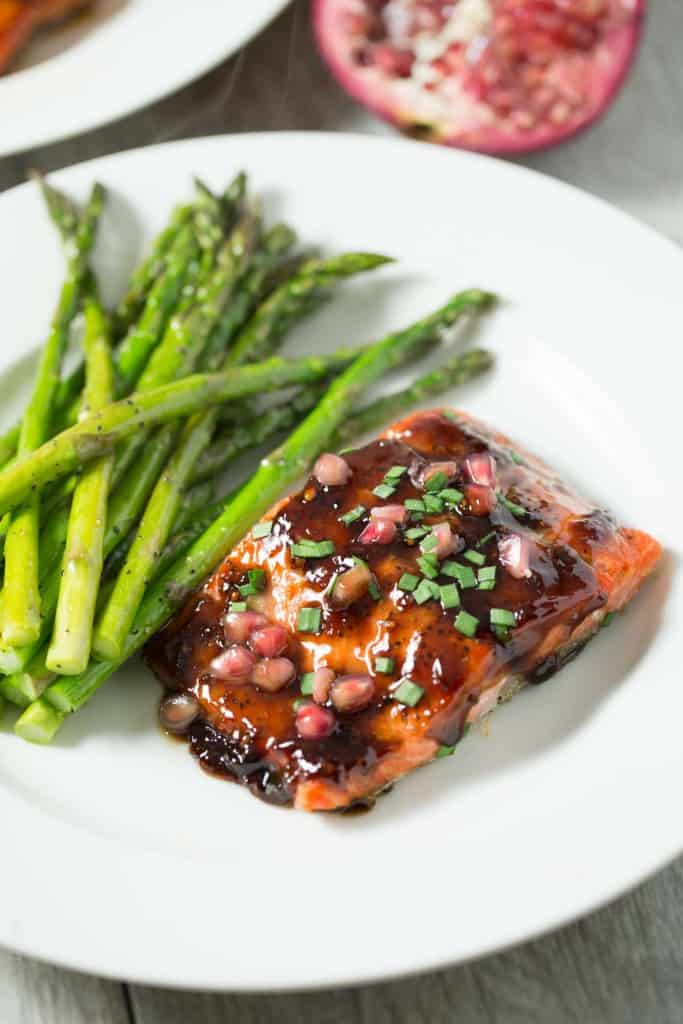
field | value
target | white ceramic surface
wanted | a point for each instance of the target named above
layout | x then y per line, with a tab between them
126	860
115	58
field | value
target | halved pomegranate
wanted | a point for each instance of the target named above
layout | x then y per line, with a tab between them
498	76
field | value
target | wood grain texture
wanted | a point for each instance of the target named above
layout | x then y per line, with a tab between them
36	993
622	965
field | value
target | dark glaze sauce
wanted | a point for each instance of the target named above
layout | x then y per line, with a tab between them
250	736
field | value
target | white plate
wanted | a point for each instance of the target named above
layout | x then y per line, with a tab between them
124	859
121	55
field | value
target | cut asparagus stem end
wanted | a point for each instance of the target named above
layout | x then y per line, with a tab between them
39	722
12	694
11	659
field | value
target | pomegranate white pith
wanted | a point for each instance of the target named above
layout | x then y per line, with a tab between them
498	76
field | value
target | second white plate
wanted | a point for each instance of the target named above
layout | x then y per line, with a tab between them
126	860
115	58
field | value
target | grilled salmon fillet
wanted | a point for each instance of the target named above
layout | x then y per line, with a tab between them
19	19
356	632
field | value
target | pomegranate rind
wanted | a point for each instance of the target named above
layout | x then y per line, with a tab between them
612	59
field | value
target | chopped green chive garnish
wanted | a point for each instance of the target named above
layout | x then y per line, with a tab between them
313	549
486	538
414	505
474	556
445	751
486	577
433	504
451	496
429	566
466	623
247	589
238	606
429	544
450	597
308	620
426	591
353	516
450	416
385	666
462	573
306	683
516	458
408	693
257	578
408	582
436	482
415	532
299	703
608	618
502	633
395	473
511	506
502	617
262	529
383	490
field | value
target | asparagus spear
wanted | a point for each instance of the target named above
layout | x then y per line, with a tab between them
69	650
233	440
141	340
258	340
21	601
456	371
273	476
273	317
143	277
27	684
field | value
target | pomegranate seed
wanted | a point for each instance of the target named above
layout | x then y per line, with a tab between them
446	541
240	625
481	469
352	693
178	712
273	674
378	531
269	641
331	470
350	586
313	722
396	63
515	554
234	665
397	513
481	500
322	681
449	470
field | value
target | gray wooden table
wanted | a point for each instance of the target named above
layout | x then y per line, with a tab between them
623	964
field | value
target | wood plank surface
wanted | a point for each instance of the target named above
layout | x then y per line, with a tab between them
623	964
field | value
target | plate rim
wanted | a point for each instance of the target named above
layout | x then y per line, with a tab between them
428	964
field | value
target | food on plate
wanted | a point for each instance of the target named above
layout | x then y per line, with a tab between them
315	647
410	586
499	76
114	503
19	19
